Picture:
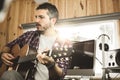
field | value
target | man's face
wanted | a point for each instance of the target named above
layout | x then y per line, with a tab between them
43	20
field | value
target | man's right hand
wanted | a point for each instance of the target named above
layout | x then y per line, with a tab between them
7	58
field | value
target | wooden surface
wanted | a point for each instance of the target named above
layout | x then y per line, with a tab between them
22	11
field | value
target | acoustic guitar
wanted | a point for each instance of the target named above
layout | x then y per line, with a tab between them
22	61
25	61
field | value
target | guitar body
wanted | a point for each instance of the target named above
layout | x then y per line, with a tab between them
3	68
24	68
15	50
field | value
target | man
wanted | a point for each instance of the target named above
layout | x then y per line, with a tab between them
42	39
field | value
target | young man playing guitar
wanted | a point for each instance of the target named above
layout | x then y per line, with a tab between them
42	40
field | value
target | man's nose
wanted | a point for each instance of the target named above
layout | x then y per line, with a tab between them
37	19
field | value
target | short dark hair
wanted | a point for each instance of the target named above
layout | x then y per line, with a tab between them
53	12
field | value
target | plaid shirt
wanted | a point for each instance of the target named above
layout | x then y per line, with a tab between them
32	38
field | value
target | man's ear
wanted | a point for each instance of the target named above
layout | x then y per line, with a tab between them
53	20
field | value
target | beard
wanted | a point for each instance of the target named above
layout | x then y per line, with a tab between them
43	28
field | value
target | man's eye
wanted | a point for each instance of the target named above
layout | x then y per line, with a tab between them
35	16
41	17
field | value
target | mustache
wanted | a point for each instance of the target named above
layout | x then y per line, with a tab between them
37	24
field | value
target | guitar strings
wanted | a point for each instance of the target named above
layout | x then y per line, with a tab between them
50	53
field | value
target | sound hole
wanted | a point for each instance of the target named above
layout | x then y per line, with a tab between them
117	57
